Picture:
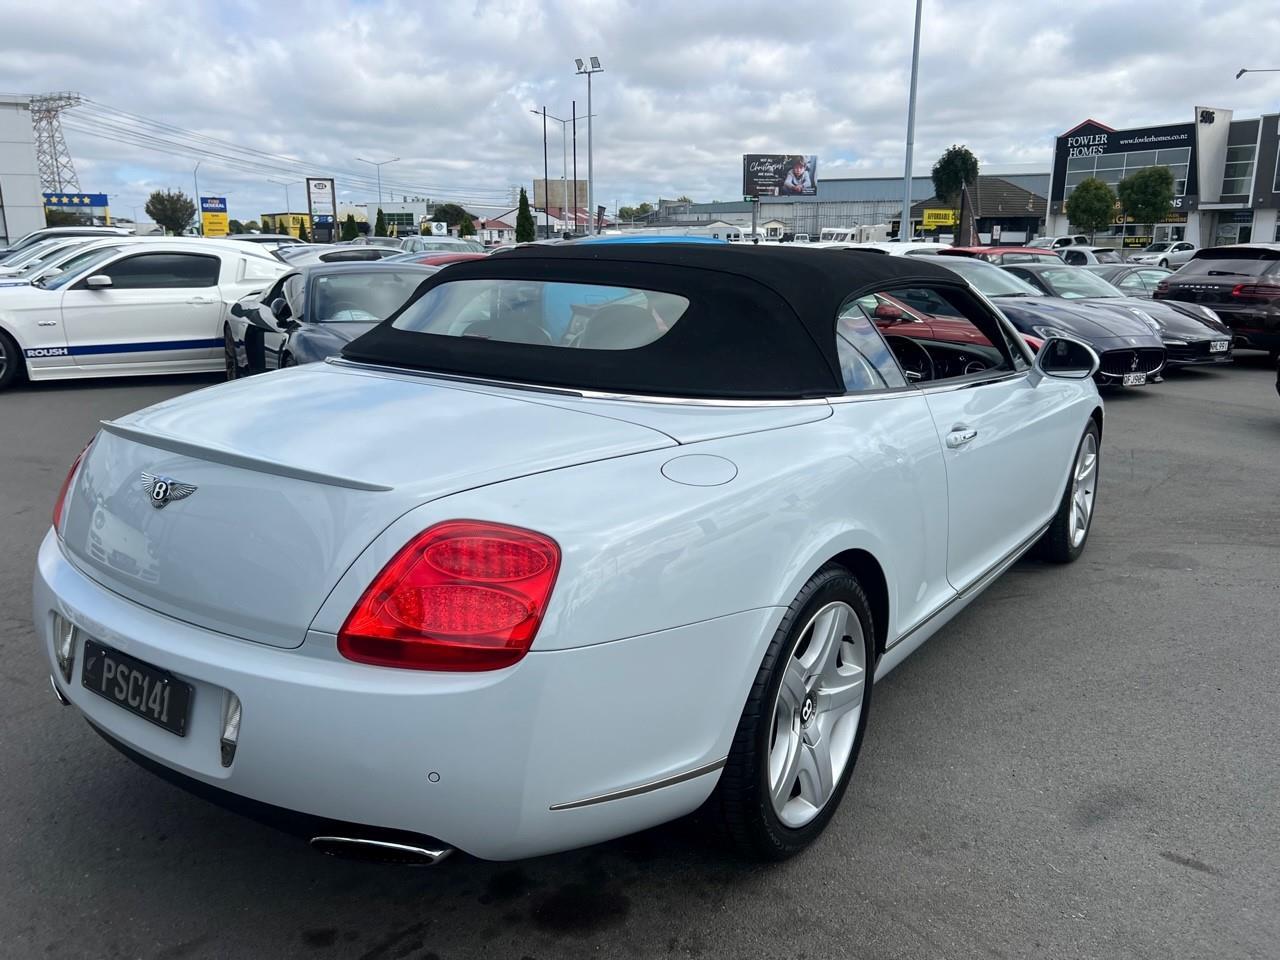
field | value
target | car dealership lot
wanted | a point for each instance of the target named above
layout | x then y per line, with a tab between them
1084	763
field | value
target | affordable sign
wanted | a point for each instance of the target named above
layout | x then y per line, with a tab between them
935	217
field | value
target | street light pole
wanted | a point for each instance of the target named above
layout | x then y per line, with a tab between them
575	166
1244	70
904	227
378	166
286	184
546	199
195	175
593	67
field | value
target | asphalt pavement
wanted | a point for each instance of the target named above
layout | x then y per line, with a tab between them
1085	763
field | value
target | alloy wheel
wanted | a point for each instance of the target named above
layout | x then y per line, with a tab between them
4	360
816	714
1084	485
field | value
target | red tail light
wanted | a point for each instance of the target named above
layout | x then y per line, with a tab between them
1256	292
1161	291
61	502
462	595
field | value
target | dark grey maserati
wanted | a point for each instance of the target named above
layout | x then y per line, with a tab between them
312	312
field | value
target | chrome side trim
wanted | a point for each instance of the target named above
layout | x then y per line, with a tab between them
644	787
219	455
573	391
978	584
965	384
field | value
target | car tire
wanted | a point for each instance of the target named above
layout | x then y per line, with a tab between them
1065	539
229	356
12	366
1165	264
287	361
764	799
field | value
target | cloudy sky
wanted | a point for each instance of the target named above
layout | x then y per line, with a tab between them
688	87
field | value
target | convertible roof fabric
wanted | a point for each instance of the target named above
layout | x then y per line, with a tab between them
760	322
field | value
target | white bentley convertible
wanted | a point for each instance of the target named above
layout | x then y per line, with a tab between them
577	541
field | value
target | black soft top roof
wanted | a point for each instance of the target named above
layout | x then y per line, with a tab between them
760	322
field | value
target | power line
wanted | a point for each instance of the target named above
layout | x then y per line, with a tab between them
102	120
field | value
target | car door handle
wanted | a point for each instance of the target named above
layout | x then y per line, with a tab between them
201	300
959	436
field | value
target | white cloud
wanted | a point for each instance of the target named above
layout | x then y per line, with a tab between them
688	87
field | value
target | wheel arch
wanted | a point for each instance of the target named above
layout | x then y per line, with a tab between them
1096	416
863	565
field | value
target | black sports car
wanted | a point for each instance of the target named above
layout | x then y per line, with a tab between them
311	312
1131	351
1191	335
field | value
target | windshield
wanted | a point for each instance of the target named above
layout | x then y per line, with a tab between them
450	246
75	266
1212	267
354	297
1156	247
1072	283
550	314
27	254
988	279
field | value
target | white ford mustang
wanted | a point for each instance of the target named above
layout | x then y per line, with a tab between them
579	540
127	308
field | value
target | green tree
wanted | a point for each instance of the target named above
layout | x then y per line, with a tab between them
252	226
349	229
1147	196
282	224
1091	206
955	168
626	213
380	224
173	210
302	232
450	213
235	226
683	198
526	232
467	228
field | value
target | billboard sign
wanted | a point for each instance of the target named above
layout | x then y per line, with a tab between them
322	204
779	175
439	228
213	216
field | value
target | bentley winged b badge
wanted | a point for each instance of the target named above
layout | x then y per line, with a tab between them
164	490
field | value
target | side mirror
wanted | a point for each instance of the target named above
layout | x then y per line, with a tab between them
1066	359
280	308
237	310
888	313
99	281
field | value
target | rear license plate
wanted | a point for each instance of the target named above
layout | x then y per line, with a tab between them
1219	346
144	690
1134	379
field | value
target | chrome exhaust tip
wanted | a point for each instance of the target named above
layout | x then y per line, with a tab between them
379	851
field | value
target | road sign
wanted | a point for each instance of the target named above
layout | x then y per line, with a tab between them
213	217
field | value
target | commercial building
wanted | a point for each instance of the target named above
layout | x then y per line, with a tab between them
1226	179
21	202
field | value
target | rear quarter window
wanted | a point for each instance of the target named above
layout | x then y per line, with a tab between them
573	315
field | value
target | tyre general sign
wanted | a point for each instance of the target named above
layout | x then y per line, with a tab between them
213	216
